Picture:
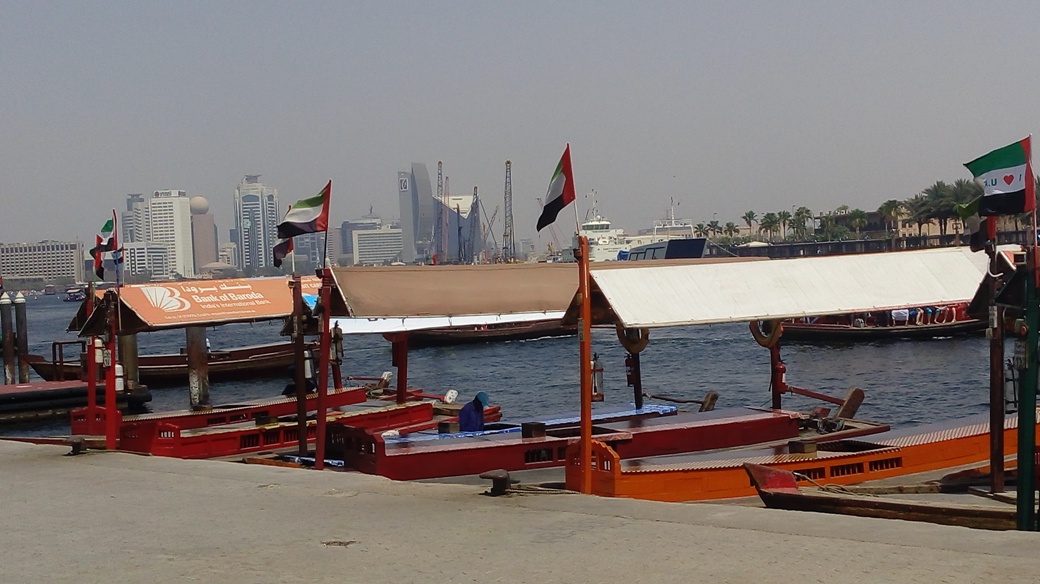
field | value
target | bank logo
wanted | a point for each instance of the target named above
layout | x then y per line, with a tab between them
165	299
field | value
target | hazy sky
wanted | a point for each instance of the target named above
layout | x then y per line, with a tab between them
726	106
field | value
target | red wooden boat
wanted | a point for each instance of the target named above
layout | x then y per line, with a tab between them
49	399
906	323
489	333
270	360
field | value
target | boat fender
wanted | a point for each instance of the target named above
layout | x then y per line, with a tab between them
633	340
776	329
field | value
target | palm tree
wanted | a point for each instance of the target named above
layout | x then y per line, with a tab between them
918	212
730	229
940	205
784	217
714	228
802	217
749	218
857	220
770	223
890	212
700	230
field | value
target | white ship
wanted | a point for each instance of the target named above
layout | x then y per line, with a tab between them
607	243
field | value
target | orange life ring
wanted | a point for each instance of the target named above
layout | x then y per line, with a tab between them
630	345
774	335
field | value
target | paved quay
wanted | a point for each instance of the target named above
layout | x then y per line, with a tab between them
113	517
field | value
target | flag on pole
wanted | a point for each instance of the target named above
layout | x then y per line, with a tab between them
307	215
284	248
104	241
561	191
1006	176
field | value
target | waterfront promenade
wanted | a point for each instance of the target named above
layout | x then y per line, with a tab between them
112	517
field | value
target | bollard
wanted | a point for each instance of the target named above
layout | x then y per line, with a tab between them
8	332
22	337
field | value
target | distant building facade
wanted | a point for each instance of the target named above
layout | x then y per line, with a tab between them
134	221
347	229
169	218
462	235
203	234
49	260
146	256
376	247
417	212
227	253
256	222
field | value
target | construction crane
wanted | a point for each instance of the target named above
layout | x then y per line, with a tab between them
489	229
442	212
508	242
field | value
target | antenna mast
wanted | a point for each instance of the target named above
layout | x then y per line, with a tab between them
508	244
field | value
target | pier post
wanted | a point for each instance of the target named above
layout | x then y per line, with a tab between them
8	331
111	401
128	357
323	369
584	354
22	337
399	359
198	367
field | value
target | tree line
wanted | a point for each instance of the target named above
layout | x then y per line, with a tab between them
937	203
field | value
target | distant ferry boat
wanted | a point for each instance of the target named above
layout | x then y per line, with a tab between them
49	290
670	238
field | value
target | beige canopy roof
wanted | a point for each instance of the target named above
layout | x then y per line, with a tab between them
404	298
658	295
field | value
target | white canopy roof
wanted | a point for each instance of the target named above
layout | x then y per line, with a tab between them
653	296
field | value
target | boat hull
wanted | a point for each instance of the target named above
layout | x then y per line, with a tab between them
165	370
488	334
843	332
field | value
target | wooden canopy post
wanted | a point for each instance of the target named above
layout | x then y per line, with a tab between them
128	357
198	367
996	368
21	326
111	407
584	355
1026	499
301	366
323	369
92	356
8	331
399	359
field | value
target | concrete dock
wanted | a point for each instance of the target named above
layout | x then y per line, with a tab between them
113	517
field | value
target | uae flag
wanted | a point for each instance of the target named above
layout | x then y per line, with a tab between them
307	215
284	248
561	191
104	241
1006	176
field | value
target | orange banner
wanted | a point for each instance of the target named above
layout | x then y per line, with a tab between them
203	302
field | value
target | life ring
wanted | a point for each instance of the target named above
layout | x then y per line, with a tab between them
761	338
630	345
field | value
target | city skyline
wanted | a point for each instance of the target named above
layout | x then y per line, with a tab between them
724	107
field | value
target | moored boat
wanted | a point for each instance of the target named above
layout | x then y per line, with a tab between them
270	360
904	323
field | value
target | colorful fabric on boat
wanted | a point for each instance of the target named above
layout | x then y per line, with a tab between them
1006	176
561	191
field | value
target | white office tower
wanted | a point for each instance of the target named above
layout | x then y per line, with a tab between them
256	222
169	216
133	225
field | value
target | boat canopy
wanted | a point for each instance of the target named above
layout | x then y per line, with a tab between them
410	298
184	303
658	295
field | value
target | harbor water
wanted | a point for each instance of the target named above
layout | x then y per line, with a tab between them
907	382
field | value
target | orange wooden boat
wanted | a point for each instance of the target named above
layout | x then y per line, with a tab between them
721	475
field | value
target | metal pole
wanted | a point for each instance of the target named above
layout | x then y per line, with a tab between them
323	369
22	328
996	379
8	331
1026	495
301	366
584	352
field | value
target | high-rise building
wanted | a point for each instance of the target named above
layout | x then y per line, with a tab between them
417	216
46	259
169	217
203	233
377	247
347	228
134	221
256	222
228	252
145	256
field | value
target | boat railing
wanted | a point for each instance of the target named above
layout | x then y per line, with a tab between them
58	356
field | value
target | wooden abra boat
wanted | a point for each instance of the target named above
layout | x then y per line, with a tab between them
271	360
906	323
779	489
489	333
